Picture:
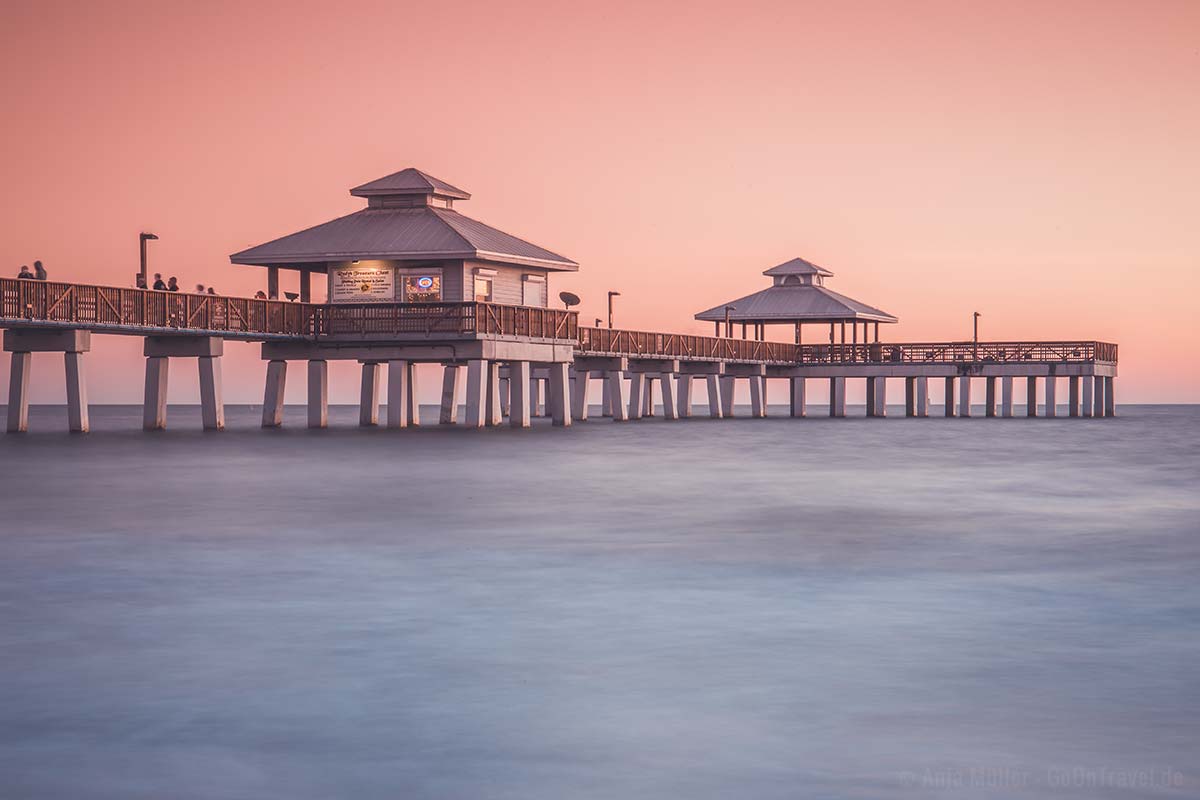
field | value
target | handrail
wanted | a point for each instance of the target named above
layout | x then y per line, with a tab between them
113	307
24	302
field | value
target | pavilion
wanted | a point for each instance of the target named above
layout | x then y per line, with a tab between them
797	297
410	245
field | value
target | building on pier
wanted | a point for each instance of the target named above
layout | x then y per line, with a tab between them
797	296
410	245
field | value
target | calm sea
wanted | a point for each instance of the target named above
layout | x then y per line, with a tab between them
741	609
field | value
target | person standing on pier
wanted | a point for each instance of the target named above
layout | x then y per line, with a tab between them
39	271
173	284
159	285
139	282
25	274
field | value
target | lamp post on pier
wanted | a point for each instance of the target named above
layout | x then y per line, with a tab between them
975	346
142	239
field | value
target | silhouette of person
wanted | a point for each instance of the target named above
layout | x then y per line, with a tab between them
25	274
172	284
199	288
139	281
159	285
210	290
39	271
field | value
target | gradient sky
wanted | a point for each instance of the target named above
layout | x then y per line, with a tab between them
1037	162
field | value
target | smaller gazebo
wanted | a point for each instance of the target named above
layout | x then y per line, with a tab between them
798	297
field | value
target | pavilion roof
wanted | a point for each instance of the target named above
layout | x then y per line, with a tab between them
797	266
411	233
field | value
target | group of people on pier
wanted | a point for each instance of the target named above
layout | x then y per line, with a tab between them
38	274
170	285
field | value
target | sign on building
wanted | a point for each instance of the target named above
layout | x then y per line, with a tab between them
363	284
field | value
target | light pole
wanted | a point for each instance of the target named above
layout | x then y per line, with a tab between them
142	239
975	346
611	295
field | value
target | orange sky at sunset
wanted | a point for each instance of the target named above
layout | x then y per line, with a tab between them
1035	161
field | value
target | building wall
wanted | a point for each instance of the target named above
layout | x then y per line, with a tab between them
507	282
458	279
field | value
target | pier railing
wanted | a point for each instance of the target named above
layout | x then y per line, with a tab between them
956	352
606	341
110	307
381	320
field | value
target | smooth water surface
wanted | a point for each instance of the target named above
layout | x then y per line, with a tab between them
699	609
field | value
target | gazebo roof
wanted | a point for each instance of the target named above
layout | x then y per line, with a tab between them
418	231
797	266
797	299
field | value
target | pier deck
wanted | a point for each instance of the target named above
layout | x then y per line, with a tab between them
45	316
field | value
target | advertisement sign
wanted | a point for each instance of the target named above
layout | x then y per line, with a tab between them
424	287
362	284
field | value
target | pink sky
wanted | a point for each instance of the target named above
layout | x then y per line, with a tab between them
1037	162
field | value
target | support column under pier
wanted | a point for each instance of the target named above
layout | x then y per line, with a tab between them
1110	403
1086	406
492	415
910	396
212	397
77	402
669	398
451	378
581	381
1031	400
1006	396
618	398
877	397
949	398
798	403
368	397
560	394
728	389
637	386
837	397
398	375
505	396
922	396
715	404
964	396
1073	396
1051	400
154	408
272	412
477	369
758	396
18	392
518	409
683	395
989	396
606	405
1098	396
318	393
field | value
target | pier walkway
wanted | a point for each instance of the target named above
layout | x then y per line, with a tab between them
521	361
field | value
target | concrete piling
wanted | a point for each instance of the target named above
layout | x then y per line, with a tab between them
1006	396
476	392
618	397
949	397
318	393
798	406
518	411
272	413
1051	399
560	394
397	394
716	405
964	396
154	409
451	378
368	399
18	392
77	403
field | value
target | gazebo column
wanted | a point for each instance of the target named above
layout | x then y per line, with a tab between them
798	407
854	341
272	283
715	404
306	289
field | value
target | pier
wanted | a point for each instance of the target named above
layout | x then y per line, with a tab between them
411	281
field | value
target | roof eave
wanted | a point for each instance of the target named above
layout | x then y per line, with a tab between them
268	260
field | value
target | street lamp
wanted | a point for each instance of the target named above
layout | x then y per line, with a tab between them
142	239
975	347
611	295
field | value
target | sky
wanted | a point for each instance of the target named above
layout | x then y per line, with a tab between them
1036	162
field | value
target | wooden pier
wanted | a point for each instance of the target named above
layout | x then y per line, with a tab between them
520	361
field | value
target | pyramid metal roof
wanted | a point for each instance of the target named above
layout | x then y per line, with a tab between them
409	181
797	266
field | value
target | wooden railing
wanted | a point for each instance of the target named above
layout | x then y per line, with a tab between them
24	302
381	320
680	345
603	341
110	307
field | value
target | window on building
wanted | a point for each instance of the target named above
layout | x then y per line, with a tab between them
533	291
483	288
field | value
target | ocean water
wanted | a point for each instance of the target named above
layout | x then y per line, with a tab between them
700	609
